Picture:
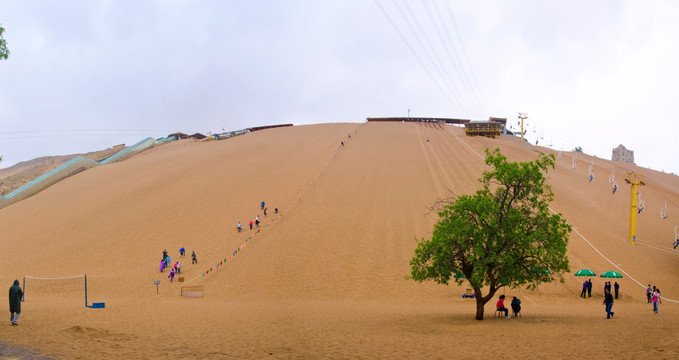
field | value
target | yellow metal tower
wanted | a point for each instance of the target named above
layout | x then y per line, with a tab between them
634	180
523	117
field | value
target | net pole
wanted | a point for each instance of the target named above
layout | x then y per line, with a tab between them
85	290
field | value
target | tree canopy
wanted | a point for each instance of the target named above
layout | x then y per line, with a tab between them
4	52
503	235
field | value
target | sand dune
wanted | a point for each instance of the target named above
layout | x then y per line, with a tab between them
324	278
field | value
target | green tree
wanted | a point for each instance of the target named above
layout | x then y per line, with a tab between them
503	235
4	52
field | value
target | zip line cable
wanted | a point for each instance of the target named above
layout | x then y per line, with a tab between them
435	59
454	64
458	65
426	51
415	54
464	52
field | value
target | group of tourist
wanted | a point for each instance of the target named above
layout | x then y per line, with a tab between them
653	296
176	268
616	287
262	206
516	306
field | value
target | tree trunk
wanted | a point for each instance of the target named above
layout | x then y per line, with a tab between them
480	303
481	300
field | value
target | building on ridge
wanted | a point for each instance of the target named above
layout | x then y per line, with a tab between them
623	155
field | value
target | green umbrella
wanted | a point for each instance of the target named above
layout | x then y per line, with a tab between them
459	275
585	272
611	274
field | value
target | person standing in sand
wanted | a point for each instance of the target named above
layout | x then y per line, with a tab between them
589	288
616	287
239	227
193	257
15	295
656	301
583	294
648	293
608	301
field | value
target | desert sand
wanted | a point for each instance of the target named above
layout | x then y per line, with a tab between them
326	276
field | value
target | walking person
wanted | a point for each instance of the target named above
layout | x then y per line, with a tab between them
262	205
648	293
656	301
239	227
265	211
616	287
193	257
250	224
608	301
15	296
171	276
182	252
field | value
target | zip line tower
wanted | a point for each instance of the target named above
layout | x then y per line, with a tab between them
523	117
634	180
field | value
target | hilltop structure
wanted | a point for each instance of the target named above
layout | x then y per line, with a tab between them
622	154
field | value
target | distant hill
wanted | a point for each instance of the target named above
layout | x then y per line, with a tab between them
24	172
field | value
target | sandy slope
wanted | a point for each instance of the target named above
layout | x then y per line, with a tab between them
324	278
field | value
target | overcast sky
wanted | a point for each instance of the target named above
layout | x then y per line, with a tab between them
87	75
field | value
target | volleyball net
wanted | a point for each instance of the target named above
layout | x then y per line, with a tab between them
50	287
